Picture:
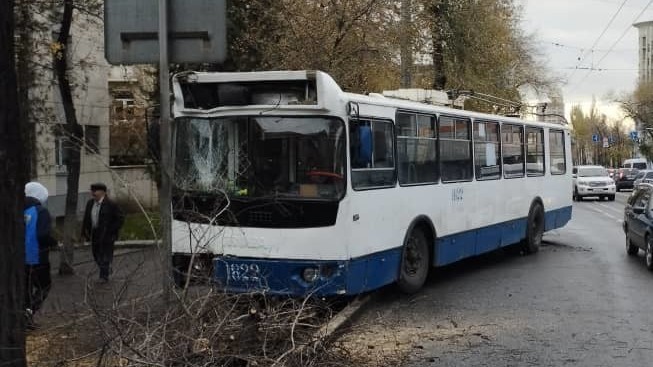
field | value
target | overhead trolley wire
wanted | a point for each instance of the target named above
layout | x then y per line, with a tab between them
615	43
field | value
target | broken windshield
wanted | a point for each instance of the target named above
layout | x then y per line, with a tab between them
296	157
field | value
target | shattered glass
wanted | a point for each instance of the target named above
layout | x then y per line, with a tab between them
254	157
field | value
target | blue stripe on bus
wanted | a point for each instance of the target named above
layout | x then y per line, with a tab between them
365	273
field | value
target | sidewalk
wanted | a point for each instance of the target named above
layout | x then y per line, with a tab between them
83	253
135	274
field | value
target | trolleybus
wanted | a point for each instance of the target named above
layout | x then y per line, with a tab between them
285	184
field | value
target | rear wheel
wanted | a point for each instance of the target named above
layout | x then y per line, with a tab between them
631	249
415	262
649	253
534	229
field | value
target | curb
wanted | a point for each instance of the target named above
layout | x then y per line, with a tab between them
122	244
345	315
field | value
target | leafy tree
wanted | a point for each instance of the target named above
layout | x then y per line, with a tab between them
639	107
467	44
479	45
587	151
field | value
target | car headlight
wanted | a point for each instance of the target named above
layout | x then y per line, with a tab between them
583	183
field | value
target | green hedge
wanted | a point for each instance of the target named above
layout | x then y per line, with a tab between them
137	227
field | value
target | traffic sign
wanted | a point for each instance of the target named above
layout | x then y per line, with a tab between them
633	135
595	138
605	142
197	31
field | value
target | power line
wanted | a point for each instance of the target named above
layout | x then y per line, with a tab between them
616	42
607	26
558	44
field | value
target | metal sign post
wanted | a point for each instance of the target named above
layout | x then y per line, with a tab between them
165	195
196	32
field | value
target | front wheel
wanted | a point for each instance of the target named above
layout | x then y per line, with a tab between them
611	197
415	262
631	249
534	229
578	197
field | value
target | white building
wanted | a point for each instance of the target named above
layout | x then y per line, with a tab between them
91	78
645	44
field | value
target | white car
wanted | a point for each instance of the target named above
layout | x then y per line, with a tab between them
592	181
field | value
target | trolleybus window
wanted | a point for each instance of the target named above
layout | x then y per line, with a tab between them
455	149
557	152
512	144
372	154
261	156
416	149
535	151
487	158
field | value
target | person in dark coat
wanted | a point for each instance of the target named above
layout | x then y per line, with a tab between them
38	240
102	222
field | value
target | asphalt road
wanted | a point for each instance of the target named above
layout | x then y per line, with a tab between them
580	301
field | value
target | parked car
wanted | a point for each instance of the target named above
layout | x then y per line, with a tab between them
592	181
638	223
625	178
643	176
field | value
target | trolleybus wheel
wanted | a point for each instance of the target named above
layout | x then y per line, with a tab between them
415	262
534	229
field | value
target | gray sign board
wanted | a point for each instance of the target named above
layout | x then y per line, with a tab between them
197	31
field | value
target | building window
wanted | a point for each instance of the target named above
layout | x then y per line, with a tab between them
487	154
416	148
535	151
127	131
512	145
92	139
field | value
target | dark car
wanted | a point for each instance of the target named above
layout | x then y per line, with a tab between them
643	176
638	223
625	177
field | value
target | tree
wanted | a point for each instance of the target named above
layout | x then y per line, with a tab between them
74	131
639	107
479	45
12	178
354	41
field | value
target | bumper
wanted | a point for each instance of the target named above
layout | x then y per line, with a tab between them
625	184
286	277
595	191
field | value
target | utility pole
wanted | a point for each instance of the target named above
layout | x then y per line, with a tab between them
13	175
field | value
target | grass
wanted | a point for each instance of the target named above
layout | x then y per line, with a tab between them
137	226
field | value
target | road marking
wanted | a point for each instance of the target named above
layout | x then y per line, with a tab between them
597	209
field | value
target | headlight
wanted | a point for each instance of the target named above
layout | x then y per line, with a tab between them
310	274
583	183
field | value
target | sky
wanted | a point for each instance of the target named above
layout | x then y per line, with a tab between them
591	45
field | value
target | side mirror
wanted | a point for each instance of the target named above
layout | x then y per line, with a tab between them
638	209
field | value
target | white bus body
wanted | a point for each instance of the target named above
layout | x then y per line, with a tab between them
372	210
